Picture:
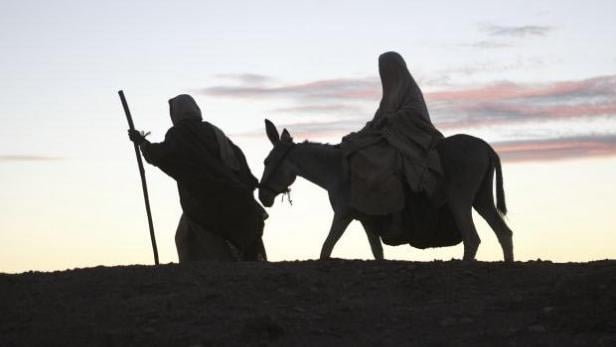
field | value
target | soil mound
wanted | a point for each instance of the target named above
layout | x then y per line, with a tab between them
311	303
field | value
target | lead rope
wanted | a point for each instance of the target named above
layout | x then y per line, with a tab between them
287	193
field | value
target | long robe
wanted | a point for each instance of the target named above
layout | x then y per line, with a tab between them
396	148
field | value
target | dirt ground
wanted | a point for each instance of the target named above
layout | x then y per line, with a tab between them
313	303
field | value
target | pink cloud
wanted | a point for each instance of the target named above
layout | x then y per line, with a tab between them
603	85
351	89
557	148
495	114
498	105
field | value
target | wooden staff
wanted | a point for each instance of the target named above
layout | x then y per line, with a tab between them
131	126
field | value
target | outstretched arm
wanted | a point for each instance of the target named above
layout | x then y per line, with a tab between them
154	153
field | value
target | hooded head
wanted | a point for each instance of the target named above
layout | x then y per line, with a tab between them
399	88
183	107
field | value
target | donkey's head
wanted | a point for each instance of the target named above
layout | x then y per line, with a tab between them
279	173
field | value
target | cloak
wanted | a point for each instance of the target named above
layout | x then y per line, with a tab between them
396	148
213	178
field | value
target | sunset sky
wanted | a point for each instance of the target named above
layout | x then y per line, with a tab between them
536	79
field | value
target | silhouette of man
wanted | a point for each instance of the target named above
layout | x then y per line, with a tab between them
215	187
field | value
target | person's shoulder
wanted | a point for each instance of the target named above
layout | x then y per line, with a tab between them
211	126
207	127
172	131
216	130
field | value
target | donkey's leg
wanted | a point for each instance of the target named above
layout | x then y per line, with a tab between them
374	239
484	205
339	225
462	213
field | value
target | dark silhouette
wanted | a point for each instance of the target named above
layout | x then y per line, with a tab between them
468	162
308	303
215	186
397	175
396	149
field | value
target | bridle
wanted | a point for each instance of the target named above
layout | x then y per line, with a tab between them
278	159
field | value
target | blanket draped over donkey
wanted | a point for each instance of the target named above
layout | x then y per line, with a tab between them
215	186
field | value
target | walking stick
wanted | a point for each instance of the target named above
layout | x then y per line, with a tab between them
131	126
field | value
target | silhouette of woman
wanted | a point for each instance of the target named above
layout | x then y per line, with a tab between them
395	149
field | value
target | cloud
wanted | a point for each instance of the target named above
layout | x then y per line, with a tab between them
557	148
318	109
27	158
354	89
521	150
499	32
462	107
503	114
490	67
487	44
313	130
246	78
516	31
562	113
597	86
507	103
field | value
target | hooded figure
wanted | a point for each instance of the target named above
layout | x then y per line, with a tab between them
215	186
396	148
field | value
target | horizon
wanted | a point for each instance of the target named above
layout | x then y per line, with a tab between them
536	82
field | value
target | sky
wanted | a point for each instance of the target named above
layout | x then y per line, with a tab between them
536	79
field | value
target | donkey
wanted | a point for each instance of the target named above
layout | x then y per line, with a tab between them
469	164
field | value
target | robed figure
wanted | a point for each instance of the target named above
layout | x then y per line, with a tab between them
394	169
221	220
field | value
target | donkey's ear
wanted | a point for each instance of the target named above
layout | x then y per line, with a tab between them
272	133
286	136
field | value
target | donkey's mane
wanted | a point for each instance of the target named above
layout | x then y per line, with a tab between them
319	145
325	150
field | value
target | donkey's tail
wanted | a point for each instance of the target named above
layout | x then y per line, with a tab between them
500	191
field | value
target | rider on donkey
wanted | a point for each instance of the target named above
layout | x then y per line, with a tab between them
396	150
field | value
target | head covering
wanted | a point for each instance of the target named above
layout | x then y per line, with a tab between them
183	107
400	91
